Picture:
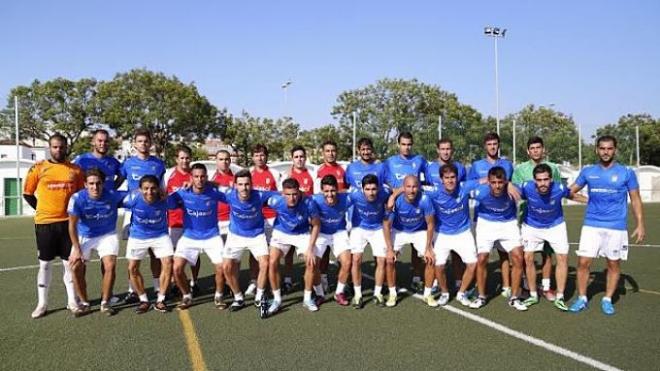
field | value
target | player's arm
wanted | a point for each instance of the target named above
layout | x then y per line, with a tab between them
31	181
429	256
578	197
76	252
174	201
387	230
636	202
316	227
392	199
31	200
513	191
119	180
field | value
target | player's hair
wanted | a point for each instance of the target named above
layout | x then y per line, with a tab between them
369	179
329	180
260	148
448	168
198	166
223	151
542	168
100	131
290	183
244	173
58	136
297	148
182	148
491	136
606	138
329	142
444	140
404	134
149	179
535	140
95	172
365	141
142	132
497	172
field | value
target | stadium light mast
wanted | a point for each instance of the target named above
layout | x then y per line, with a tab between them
637	143
285	87
496	33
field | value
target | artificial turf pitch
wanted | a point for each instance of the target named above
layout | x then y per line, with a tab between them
410	335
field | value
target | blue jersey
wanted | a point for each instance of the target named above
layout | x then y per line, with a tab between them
544	211
497	209
608	195
333	218
397	168
109	165
293	220
480	168
148	220
200	211
411	217
452	210
134	168
356	170
369	215
246	218
95	217
432	173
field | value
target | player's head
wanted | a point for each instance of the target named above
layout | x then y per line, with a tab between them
291	191
492	144
410	187
542	177
329	148
223	160
298	156
100	141
183	157
405	141
94	179
243	184
535	149
150	188
58	147
497	180
260	155
142	141
370	187
329	189
445	149
449	176
606	148
366	149
199	176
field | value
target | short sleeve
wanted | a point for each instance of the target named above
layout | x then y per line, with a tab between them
273	201
312	209
122	170
632	183
73	208
581	179
31	180
427	206
265	196
174	200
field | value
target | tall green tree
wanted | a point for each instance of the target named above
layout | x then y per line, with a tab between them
624	131
312	140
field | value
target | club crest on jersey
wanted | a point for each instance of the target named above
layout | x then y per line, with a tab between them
615	178
414	165
552	202
267	180
418	211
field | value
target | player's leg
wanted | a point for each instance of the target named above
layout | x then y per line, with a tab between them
63	248
441	249
311	277
345	260
109	263
418	270
458	269
561	273
530	272
288	270
154	264
179	272
505	270
46	254
613	275
590	243
80	283
517	257
137	281
546	272
254	276
324	264
357	242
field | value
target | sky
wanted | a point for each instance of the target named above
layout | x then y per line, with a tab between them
593	60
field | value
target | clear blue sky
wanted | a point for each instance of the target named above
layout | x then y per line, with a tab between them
595	60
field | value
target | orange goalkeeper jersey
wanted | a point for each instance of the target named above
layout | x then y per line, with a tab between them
53	184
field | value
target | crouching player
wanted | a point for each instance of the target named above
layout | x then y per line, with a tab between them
148	230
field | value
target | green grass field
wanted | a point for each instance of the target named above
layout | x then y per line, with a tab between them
410	335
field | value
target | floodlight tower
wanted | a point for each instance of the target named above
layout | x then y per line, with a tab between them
496	33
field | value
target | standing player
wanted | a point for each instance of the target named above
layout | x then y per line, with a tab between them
411	222
148	231
133	169
543	223
522	174
200	234
296	213
48	187
367	221
92	226
98	158
224	178
604	232
367	164
497	223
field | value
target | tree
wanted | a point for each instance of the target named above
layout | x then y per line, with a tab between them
170	109
313	139
624	131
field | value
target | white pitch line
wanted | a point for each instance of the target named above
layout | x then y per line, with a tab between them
58	263
524	337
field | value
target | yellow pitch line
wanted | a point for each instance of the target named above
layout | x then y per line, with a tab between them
194	350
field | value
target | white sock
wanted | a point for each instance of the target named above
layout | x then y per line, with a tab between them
340	288
277	295
583	297
144	297
187	296
416	279
104	302
44	276
260	293
192	283
459	294
318	289
534	294
393	290
238	296
606	298
545	284
156	283
130	288
218	295
445	294
161	298
435	283
427	291
307	295
67	277
378	290
358	290
560	295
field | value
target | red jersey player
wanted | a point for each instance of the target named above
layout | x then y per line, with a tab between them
224	178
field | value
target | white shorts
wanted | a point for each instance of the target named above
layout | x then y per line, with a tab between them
190	249
417	239
236	244
175	235
284	241
337	241
126	224
534	238
609	243
105	245
461	243
376	239
223	226
137	249
488	232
